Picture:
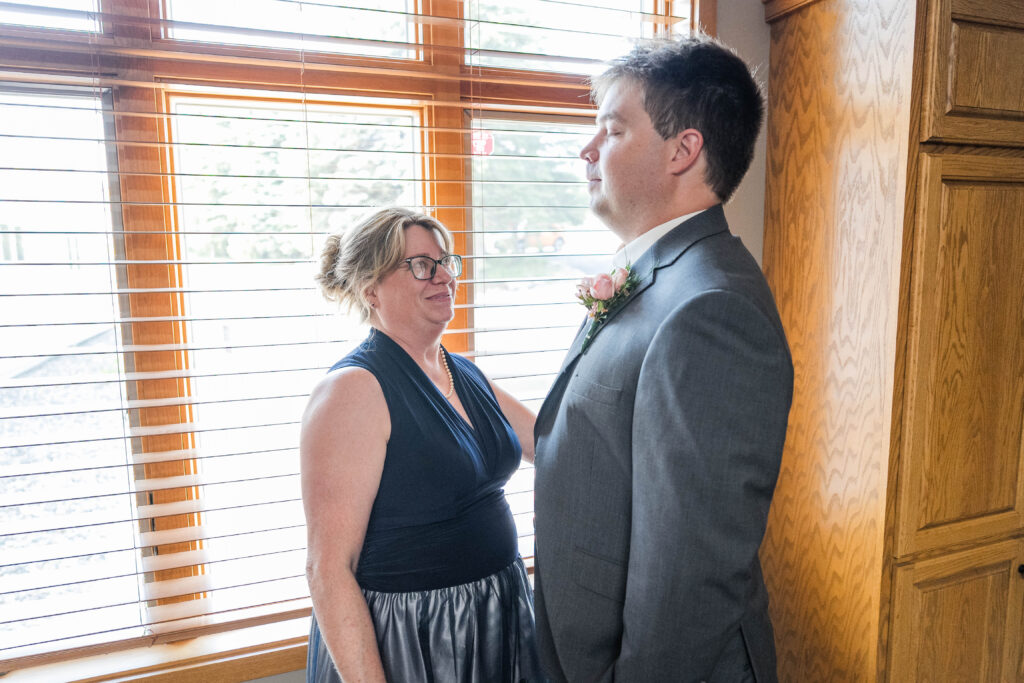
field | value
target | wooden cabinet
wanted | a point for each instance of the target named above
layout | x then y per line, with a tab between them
958	617
974	70
961	476
894	244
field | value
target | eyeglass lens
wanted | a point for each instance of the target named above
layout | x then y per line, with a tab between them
424	267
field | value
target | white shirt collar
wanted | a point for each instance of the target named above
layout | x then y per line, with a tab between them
631	252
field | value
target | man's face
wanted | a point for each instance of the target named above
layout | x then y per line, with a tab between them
626	162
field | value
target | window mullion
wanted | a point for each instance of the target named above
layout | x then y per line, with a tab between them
448	175
148	219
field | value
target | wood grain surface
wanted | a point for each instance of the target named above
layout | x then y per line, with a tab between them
775	9
838	130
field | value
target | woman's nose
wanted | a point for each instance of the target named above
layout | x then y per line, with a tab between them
442	275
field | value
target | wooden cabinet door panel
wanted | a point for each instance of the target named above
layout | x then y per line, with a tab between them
974	89
959	617
961	473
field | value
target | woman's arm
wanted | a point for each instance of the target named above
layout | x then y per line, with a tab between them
345	431
519	416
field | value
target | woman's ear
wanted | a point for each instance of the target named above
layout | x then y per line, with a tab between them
370	296
686	150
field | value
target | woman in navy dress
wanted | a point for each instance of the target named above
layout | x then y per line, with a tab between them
413	561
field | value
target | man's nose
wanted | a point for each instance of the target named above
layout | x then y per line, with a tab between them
589	153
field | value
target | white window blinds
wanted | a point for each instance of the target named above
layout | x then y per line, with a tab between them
168	173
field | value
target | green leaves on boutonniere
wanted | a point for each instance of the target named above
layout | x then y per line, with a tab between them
602	294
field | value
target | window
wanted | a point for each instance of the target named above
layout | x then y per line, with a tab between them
381	28
531	34
533	239
76	15
166	183
68	538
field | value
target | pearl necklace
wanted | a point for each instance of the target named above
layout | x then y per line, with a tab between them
451	380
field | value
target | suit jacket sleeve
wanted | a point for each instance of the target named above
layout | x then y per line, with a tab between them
708	428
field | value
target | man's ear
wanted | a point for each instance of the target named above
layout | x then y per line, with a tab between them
686	150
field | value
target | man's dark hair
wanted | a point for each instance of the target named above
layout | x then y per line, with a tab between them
696	82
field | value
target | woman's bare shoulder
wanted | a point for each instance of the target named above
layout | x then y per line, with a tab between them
350	381
347	396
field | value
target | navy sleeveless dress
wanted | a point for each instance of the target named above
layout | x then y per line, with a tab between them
439	568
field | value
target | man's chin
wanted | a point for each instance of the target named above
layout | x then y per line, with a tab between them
600	209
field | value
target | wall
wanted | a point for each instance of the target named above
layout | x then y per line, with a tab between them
838	149
741	26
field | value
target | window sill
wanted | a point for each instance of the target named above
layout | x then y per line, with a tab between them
230	657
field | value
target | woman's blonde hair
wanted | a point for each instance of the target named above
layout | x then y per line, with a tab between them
354	261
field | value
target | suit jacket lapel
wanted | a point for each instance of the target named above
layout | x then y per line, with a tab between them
665	252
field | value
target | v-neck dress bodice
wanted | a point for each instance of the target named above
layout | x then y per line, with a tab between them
440	517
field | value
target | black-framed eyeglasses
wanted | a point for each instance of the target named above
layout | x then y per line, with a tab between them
424	267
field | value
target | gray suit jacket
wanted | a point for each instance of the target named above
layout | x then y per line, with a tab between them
657	455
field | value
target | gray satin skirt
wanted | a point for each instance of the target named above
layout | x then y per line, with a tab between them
478	632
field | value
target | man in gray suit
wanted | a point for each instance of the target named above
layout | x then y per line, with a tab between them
658	447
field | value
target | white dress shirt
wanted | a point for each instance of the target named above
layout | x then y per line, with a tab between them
632	251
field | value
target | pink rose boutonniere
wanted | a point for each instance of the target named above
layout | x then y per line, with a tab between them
602	294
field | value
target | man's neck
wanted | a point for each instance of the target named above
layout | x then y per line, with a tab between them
631	251
703	200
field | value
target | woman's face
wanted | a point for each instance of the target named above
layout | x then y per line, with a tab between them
401	302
